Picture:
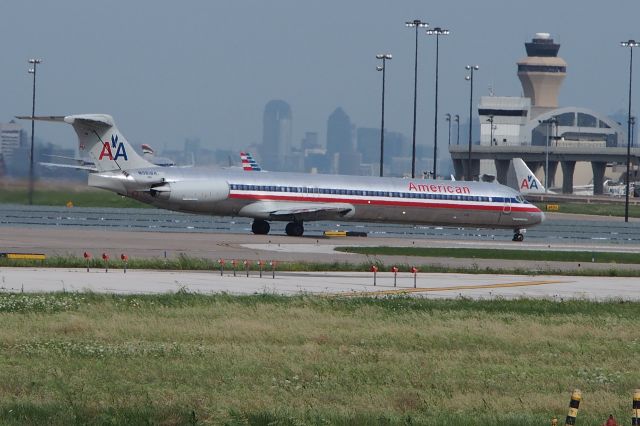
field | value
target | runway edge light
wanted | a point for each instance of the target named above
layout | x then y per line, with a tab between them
635	416
574	404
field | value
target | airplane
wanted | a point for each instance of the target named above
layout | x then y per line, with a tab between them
294	197
149	154
528	183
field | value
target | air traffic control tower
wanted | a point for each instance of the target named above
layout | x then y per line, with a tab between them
535	128
541	73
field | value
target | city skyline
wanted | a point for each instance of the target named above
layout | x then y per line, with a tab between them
168	73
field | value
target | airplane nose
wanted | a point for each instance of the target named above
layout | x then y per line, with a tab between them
540	216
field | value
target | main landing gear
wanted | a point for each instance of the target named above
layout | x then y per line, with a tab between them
260	227
294	229
518	236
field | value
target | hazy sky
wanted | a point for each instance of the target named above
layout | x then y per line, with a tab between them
167	70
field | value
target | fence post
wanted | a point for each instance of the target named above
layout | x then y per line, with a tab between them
374	269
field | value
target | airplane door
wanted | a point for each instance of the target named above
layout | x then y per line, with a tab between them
506	208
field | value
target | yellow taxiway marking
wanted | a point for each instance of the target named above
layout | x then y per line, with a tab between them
452	288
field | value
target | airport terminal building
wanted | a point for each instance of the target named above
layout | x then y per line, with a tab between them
536	129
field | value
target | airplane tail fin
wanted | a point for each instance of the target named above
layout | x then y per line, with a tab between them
99	137
248	163
147	151
528	183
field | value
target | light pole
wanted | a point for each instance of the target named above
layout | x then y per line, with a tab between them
457	120
437	31
416	23
447	117
548	122
383	68
471	69
34	63
630	44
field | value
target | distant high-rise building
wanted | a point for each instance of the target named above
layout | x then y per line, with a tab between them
395	145
339	132
368	144
310	141
12	138
541	73
14	149
276	134
340	144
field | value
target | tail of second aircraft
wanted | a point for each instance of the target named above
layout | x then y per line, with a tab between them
528	183
248	163
99	137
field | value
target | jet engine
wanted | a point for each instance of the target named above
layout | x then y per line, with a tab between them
198	191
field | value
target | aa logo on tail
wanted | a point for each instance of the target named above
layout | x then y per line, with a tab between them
529	183
118	147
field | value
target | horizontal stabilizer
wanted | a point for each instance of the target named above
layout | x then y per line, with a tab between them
70	166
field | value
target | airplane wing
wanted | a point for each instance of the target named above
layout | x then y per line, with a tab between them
277	210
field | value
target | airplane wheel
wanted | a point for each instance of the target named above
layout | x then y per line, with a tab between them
294	229
260	227
518	237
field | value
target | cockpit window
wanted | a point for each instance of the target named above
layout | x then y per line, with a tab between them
519	199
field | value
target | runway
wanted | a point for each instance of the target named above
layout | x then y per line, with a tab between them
151	233
480	286
55	241
556	229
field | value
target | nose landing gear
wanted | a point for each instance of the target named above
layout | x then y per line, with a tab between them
518	235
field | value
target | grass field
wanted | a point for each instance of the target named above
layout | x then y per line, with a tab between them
597	209
264	359
467	253
186	263
80	196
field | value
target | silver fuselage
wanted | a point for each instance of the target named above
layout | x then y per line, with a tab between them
366	199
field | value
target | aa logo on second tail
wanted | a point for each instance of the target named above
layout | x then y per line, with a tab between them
529	183
107	150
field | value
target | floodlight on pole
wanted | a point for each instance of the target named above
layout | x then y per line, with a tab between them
416	23
457	120
447	118
34	63
471	69
630	44
437	31
383	57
